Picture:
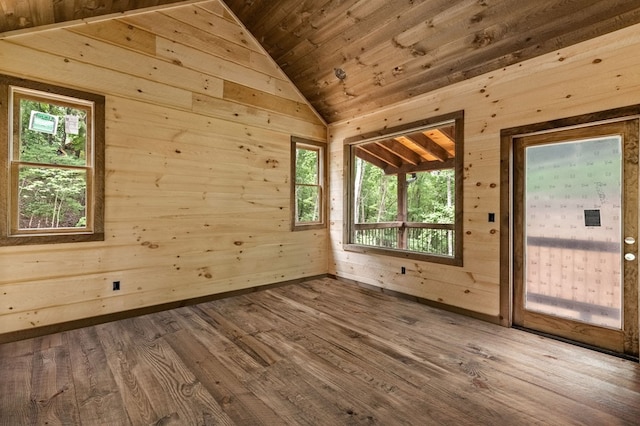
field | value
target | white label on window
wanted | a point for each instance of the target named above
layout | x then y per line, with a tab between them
71	124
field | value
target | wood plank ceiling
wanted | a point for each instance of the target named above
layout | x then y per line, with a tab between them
388	51
350	57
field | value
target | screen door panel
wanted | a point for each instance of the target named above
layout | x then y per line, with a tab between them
573	199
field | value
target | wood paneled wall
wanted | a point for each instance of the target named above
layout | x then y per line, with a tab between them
197	187
592	76
198	132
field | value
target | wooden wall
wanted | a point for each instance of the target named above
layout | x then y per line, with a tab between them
198	122
592	76
197	187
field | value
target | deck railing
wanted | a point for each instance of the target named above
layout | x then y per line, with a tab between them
576	279
432	238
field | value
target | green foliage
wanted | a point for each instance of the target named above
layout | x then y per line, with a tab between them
307	161
307	185
430	197
430	200
308	203
51	196
378	195
60	148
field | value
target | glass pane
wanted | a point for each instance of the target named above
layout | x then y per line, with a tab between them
573	230
52	134
307	161
376	194
431	197
51	198
403	192
307	204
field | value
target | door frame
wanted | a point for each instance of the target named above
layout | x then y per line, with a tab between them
507	137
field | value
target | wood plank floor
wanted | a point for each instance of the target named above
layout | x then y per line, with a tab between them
320	353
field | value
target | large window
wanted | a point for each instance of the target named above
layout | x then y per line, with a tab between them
404	191
308	184
52	164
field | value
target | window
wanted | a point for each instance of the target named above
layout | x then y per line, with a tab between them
404	191
52	157
308	185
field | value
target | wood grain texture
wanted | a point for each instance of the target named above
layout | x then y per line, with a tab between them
197	175
19	14
594	76
321	352
393	51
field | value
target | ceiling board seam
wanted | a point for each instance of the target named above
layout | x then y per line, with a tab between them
93	19
286	77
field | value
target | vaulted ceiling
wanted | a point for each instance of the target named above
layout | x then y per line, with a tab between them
350	57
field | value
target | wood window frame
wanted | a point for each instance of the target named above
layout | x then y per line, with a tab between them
458	166
10	235
321	147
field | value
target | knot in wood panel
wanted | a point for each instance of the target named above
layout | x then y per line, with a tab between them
482	39
378	79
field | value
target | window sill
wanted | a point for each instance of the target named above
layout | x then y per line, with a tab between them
311	226
22	240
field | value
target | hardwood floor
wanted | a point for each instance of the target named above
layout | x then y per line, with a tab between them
320	353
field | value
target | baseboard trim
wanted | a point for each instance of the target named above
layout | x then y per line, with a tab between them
576	343
14	336
427	302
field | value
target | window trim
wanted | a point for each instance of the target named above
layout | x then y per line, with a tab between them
322	182
348	173
9	236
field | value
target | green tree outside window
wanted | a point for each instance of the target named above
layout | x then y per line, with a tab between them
52	176
308	171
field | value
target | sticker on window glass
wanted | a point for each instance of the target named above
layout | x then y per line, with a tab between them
592	218
71	124
43	122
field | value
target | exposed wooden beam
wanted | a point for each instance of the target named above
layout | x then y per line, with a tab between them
429	145
427	166
407	155
389	169
450	132
366	156
422	153
443	139
383	154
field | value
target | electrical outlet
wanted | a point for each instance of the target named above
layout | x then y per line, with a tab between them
492	217
116	285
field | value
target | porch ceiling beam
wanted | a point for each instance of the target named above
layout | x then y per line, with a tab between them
383	154
429	145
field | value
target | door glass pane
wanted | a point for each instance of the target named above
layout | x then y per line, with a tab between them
573	222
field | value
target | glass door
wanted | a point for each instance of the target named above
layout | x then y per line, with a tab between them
575	248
